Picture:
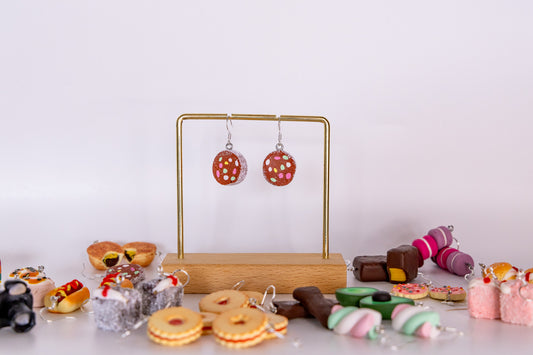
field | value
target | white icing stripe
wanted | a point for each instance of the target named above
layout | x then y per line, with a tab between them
444	235
453	260
428	246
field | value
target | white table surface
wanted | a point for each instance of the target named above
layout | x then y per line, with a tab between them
80	335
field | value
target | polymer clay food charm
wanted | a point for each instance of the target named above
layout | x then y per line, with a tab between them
162	292
279	166
357	322
67	298
174	326
37	282
229	166
116	308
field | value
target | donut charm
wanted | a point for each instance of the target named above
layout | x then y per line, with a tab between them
279	168
229	167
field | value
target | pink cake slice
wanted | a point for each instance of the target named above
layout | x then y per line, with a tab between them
484	299
514	308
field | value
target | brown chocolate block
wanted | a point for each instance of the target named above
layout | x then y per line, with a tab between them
314	302
402	263
294	309
370	268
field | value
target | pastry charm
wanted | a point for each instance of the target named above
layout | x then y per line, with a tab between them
279	166
229	166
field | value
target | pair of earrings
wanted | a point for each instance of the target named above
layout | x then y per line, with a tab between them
230	166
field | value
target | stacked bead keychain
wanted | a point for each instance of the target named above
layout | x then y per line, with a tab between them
436	245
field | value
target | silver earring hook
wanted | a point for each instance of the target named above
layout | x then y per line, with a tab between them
279	145
229	145
270	306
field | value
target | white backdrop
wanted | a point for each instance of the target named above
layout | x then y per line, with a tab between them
430	106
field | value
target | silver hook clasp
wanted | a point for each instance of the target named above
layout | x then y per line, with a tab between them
229	122
270	306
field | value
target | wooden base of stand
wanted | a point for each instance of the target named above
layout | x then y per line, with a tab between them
286	271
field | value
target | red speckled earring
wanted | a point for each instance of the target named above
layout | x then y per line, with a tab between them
229	166
279	166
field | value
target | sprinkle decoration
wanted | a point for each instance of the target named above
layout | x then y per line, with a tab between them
279	168
229	167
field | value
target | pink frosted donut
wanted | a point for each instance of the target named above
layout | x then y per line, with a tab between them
442	236
427	246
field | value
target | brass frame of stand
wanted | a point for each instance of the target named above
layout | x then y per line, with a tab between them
236	117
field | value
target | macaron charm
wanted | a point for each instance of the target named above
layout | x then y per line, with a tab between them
279	167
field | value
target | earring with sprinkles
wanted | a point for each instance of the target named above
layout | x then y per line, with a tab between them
279	166
229	166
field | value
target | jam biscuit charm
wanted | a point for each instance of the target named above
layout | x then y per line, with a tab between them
16	306
229	166
240	328
116	309
279	166
221	301
174	326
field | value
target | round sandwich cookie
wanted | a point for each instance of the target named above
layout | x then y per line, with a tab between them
278	324
221	301
207	320
447	293
174	326
350	296
240	328
412	291
384	303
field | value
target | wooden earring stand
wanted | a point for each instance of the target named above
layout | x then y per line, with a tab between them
286	271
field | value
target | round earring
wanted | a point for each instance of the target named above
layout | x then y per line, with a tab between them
279	166
229	166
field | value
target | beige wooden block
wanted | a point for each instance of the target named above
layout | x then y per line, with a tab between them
286	271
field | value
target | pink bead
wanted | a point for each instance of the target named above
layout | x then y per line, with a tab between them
288	176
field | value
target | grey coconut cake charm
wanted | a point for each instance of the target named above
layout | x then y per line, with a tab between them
162	292
117	309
